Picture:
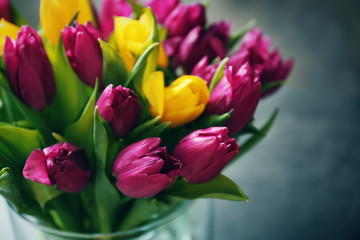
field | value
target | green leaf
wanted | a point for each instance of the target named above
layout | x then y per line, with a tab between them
10	190
43	193
220	187
219	73
73	20
18	19
214	120
251	142
235	38
80	133
71	93
104	191
18	143
140	64
114	70
140	130
267	86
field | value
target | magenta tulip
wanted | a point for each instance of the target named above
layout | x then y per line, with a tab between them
84	52
111	8
121	108
63	164
204	153
198	43
204	70
143	169
28	68
161	8
5	10
255	50
184	18
239	91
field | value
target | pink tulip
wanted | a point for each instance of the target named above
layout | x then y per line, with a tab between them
161	8
204	153
28	68
84	52
63	164
239	91
143	169
121	108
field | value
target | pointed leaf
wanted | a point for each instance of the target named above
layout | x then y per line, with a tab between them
43	193
104	191
114	70
250	143
219	73
137	8
214	120
80	133
10	190
220	187
140	130
267	86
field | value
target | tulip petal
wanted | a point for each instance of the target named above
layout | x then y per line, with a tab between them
35	168
153	88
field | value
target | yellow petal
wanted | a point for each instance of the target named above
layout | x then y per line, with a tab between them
163	60
57	14
153	88
7	29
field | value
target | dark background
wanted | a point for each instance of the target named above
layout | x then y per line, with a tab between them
303	179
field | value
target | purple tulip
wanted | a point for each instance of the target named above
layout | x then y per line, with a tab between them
63	164
143	169
28	68
121	108
84	52
184	18
255	50
5	10
204	153
161	8
240	91
199	43
111	8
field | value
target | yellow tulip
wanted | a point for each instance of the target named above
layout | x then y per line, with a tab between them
132	38
56	14
7	29
181	102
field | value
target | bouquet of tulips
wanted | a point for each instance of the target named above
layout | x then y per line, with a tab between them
110	122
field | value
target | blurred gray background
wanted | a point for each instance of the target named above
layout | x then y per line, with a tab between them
303	179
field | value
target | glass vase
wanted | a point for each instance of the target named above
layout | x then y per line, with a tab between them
191	220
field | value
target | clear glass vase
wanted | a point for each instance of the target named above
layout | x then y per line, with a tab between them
192	220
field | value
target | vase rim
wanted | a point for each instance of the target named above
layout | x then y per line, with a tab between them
143	228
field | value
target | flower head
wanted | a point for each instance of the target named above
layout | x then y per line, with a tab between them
84	52
28	68
7	29
63	164
121	108
204	153
181	102
143	169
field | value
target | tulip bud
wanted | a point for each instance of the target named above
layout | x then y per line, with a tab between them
5	10
63	164
204	153
199	43
120	107
131	36
84	52
57	14
28	68
184	18
7	29
181	102
255	50
111	8
143	169
238	91
161	8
